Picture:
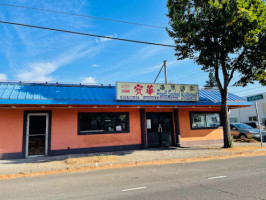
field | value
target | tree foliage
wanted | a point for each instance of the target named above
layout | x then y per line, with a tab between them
223	36
211	83
261	77
230	32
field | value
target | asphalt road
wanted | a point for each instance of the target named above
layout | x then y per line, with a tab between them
239	178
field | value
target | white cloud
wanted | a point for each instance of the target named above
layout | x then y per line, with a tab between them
149	51
89	80
95	65
105	39
42	71
156	69
109	78
38	72
82	3
41	53
3	77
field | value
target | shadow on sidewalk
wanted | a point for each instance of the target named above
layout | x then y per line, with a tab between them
47	159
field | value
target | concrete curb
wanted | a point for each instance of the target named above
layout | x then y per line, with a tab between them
127	164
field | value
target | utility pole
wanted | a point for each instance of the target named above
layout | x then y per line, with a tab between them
165	72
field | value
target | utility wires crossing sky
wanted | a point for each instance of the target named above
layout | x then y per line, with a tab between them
86	16
86	34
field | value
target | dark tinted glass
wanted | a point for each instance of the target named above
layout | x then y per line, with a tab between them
103	122
37	125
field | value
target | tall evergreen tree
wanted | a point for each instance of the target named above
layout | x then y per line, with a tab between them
211	83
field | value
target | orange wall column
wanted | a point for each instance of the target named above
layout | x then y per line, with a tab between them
11	131
190	137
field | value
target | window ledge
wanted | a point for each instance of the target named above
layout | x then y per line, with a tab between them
220	127
106	133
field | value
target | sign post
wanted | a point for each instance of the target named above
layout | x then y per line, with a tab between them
258	117
255	98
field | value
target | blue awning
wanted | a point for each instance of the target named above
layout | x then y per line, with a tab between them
16	93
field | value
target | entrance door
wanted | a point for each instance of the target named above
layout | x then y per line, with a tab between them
159	129
37	134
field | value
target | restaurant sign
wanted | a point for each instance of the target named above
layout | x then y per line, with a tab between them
156	92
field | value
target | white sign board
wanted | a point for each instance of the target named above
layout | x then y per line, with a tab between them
156	92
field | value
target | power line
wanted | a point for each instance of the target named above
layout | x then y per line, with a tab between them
86	34
192	76
186	77
248	89
86	16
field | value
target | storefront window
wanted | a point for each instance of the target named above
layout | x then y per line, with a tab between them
97	123
204	120
198	120
252	119
233	120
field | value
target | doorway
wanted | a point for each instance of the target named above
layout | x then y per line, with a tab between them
37	134
159	129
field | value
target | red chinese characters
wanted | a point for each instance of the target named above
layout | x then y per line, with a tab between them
138	88
150	89
125	88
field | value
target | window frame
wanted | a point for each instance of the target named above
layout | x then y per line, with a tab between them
201	112
103	132
234	121
252	119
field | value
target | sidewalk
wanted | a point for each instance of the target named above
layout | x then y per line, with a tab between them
87	162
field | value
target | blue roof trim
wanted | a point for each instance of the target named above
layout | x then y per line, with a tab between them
13	93
84	102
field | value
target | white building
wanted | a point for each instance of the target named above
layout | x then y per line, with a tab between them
248	114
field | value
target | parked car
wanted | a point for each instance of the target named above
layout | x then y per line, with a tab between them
255	125
243	131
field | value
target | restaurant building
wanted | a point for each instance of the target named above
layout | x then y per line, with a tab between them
56	119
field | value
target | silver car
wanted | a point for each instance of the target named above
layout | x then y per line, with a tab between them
243	131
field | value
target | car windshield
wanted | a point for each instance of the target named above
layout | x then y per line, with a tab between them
243	126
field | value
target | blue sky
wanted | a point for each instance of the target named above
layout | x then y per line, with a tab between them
29	54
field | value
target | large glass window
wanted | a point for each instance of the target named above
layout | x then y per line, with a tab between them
204	120
233	120
94	123
252	119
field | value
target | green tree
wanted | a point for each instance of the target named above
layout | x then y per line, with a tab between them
262	77
223	36
211	83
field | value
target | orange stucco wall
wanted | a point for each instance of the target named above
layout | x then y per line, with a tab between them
188	135
65	128
11	131
64	133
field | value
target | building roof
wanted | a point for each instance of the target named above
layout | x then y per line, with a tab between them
17	93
